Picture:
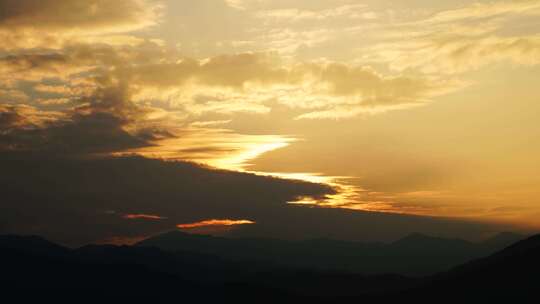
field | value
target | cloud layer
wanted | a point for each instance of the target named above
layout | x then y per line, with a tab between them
61	21
75	201
84	80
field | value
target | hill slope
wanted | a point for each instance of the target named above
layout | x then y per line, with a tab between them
416	254
508	276
34	269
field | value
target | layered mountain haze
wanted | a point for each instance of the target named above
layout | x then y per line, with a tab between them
415	254
111	271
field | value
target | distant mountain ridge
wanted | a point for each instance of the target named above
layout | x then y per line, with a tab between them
34	269
416	254
507	276
31	245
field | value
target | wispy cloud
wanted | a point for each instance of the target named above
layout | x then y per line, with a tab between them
459	40
215	222
150	217
63	21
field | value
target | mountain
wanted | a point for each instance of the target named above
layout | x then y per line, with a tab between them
96	274
147	274
503	239
34	269
508	276
415	254
31	245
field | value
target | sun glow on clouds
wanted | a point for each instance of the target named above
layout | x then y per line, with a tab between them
215	222
348	196
217	148
251	152
224	149
89	73
143	217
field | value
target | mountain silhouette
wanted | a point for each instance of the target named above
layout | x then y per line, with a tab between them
32	245
508	276
503	239
415	254
95	274
34	269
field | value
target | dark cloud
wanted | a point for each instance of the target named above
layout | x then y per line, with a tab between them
9	119
75	14
78	200
70	61
13	117
58	183
52	24
59	179
83	134
97	126
52	187
36	62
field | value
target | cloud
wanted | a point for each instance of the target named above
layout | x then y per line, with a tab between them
150	217
266	5
78	200
64	20
82	134
461	54
219	148
215	222
225	84
9	119
71	199
84	85
210	123
237	4
76	14
246	82
349	11
25	117
101	124
464	39
350	111
214	226
36	67
491	9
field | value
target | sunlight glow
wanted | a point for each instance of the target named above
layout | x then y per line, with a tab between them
215	222
251	151
223	149
217	148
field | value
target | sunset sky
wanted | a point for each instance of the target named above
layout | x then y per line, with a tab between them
418	110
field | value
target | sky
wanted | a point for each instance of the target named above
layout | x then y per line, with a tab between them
348	119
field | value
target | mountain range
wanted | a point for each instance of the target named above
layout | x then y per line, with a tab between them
414	255
35	269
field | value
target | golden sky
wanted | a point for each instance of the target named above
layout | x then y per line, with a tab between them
416	107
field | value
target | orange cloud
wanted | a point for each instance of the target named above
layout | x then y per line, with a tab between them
143	217
215	222
63	21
